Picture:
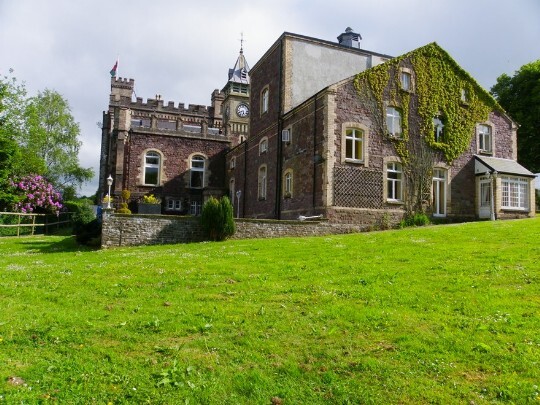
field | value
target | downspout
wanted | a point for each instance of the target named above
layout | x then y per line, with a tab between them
315	160
245	179
279	165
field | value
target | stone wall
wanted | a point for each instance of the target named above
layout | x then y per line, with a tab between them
134	230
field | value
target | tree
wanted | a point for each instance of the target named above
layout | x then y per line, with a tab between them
520	97
51	134
217	218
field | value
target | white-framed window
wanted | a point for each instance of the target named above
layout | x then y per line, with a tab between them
265	94
439	192
394	182
393	121
195	207
152	168
406	81
288	184
232	162
438	129
464	96
174	205
196	176
354	145
515	193
485	138
263	145
262	183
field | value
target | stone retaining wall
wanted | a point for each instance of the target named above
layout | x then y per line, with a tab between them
133	230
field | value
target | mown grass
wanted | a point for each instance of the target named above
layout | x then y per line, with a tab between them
445	314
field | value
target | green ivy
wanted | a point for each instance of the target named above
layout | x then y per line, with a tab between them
438	83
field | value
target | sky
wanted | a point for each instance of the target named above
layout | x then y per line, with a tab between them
183	50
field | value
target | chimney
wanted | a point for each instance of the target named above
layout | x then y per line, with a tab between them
350	38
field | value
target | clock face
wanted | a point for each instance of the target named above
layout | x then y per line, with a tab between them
242	110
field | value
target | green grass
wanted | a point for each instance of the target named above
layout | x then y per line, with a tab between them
445	314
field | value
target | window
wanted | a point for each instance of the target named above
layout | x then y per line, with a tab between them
438	129
232	191
195	208
196	179
439	192
263	146
484	138
464	96
393	121
515	193
174	205
288	184
406	83
354	145
394	179
152	168
232	163
262	182
264	100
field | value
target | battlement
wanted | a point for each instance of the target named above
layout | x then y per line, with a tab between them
121	82
159	106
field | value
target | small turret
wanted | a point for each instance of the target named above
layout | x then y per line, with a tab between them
121	88
350	38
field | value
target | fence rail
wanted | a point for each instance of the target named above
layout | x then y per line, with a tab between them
24	221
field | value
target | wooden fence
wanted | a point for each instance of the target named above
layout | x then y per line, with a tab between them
29	223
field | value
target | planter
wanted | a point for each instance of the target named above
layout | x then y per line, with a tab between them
149	209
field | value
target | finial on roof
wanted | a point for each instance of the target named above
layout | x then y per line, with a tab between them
241	42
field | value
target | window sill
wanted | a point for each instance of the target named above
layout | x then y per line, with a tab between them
262	198
395	202
354	161
485	152
514	209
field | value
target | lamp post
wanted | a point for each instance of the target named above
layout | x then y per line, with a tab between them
109	183
238	194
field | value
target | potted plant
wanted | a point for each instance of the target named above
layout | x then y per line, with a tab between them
150	204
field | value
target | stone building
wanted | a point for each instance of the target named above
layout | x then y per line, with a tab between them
322	128
176	153
360	137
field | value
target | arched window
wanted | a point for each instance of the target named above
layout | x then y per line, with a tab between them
232	191
394	182
152	166
439	192
263	145
485	139
393	121
438	129
262	182
264	100
288	184
198	165
354	144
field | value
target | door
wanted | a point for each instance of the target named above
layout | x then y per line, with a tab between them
485	198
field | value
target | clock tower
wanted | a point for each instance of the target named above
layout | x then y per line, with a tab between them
235	107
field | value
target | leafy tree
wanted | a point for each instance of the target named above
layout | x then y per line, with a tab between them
520	97
52	135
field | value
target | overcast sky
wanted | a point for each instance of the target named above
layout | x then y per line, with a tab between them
183	50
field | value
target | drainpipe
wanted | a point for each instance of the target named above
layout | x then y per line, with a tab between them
279	141
245	179
315	160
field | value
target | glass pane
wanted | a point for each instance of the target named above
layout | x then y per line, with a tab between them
358	150
151	175
196	179
348	149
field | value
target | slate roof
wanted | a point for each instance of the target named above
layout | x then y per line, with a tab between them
502	166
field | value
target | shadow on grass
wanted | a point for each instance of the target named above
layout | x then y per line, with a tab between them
54	244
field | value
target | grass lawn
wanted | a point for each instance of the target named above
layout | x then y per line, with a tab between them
444	314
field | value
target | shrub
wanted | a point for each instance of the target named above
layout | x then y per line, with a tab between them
417	219
217	218
151	199
35	194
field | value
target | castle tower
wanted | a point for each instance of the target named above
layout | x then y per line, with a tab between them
235	106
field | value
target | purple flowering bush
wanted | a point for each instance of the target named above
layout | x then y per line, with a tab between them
36	194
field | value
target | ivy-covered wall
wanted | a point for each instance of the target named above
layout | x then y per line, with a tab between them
440	88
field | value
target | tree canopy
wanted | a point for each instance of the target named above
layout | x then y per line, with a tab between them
519	95
38	136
